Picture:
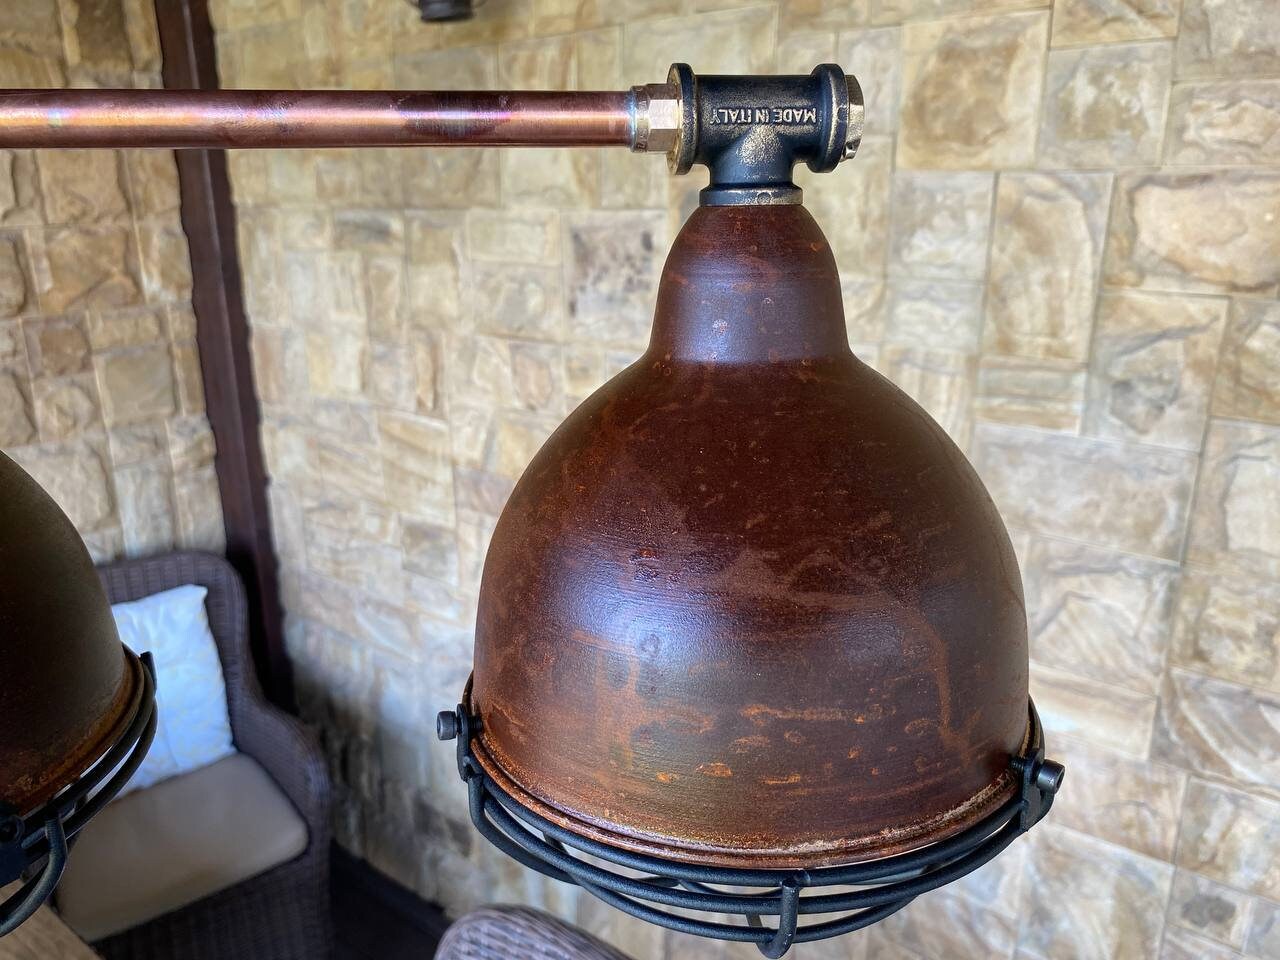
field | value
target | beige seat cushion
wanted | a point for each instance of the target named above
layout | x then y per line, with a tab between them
172	844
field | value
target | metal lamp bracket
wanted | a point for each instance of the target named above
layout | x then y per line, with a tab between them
751	131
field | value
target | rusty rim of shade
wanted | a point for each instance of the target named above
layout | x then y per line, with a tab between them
548	845
938	828
39	840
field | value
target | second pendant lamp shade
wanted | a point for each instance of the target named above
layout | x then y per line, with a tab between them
750	606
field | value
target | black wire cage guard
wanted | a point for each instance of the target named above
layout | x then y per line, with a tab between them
36	845
888	884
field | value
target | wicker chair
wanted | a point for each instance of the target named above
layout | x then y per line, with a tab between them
282	914
508	933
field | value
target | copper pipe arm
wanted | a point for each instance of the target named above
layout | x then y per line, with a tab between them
749	131
177	119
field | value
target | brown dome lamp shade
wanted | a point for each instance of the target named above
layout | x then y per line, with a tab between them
751	631
77	708
749	617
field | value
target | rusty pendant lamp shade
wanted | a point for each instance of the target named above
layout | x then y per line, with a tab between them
749	617
77	708
751	637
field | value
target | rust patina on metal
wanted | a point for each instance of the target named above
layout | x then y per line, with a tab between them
749	605
68	689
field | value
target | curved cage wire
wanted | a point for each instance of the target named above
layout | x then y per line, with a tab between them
884	886
36	845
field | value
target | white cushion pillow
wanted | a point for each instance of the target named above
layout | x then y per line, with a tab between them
193	729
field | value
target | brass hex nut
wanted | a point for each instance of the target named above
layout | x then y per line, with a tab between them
657	118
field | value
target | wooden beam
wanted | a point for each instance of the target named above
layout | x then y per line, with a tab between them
222	336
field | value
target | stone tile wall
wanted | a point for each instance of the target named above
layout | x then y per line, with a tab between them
1062	235
100	391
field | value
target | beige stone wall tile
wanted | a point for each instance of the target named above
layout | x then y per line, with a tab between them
81	185
229	15
945	925
1124	496
57	345
95	40
335	364
1228	626
165	262
1234	521
612	265
1180	944
65	407
190	443
20	200
136	384
1100	713
541	64
481	492
134	327
864	308
14	286
1219	729
417	466
1224	122
1120	915
77	475
854	215
946	313
1105	106
1249	366
536	370
1231	837
1152	368
514	236
518	301
1228	38
799	51
21	68
798	15
1212	231
970	91
894	11
17	419
1109	21
436	296
875	58
35	25
1264	931
565	16
599	56
940	224
1099	614
1209	908
146	509
726	41
941	381
375	232
1132	803
85	267
1048	394
628	185
132	443
550	178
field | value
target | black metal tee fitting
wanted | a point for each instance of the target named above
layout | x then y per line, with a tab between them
751	131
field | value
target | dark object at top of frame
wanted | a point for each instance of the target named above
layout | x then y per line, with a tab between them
444	11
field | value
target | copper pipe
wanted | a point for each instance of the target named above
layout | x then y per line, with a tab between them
177	119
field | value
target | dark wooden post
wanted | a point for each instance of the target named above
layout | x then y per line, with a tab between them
222	335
